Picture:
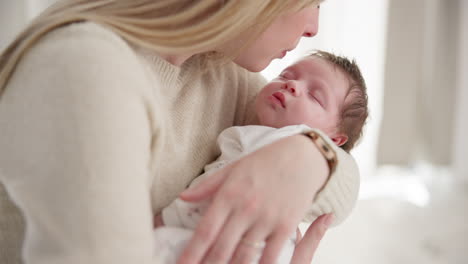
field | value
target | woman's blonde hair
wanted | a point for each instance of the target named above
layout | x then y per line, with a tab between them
165	26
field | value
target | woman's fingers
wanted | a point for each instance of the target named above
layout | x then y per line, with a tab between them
205	190
306	248
252	182
228	239
274	247
206	232
252	244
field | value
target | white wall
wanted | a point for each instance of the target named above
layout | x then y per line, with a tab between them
356	29
34	7
14	15
12	19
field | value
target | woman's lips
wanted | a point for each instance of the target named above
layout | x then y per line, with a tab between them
279	98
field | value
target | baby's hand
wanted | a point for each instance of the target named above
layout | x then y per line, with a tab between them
158	221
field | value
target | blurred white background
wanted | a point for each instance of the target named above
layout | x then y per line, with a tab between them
413	157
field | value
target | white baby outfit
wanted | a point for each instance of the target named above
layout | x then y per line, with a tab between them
181	218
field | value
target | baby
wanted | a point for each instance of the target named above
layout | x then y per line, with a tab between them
319	92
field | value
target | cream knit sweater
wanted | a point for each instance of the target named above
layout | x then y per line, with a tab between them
96	136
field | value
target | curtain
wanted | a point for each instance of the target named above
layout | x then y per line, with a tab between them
15	14
12	19
420	82
460	151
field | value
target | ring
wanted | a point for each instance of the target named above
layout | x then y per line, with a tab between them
254	244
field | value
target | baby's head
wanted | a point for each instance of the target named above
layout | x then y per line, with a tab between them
322	91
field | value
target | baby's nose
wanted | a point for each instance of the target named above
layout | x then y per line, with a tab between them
291	87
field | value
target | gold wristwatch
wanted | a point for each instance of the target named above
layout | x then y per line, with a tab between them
324	148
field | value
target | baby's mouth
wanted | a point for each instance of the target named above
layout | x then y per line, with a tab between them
280	97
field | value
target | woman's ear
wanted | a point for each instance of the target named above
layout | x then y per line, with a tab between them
340	139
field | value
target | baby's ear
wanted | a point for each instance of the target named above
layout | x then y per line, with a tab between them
340	139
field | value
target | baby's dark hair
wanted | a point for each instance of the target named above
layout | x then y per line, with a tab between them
354	111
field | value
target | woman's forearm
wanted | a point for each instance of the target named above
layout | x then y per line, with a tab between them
309	159
338	191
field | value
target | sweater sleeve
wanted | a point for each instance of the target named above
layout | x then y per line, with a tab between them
75	149
340	192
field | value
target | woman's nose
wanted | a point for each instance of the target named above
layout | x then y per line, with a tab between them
311	28
310	33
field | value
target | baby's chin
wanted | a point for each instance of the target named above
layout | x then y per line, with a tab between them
274	124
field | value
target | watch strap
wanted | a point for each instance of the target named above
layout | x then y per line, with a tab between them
327	151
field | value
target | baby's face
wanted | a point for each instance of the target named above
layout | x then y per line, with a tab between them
310	92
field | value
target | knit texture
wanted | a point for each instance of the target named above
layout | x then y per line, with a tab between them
96	136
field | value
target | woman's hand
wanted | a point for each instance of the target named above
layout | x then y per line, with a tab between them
258	202
306	246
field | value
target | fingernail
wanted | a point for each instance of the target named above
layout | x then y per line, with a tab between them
329	220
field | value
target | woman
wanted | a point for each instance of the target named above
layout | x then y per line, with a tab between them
109	108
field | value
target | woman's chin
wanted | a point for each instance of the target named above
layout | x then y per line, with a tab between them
253	66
